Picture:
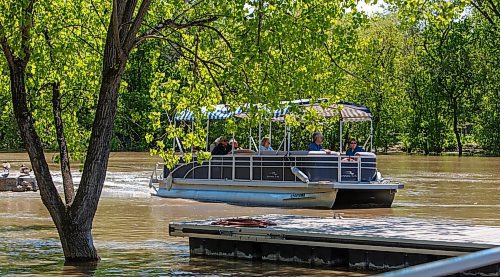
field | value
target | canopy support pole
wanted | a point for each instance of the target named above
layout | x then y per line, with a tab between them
173	141
260	132
250	138
192	130
289	141
270	131
233	173
176	139
208	128
340	139
371	135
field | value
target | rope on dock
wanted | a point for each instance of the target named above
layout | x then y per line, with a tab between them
244	222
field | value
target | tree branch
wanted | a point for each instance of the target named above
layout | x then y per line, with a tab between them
186	10
98	15
25	31
129	42
126	19
69	189
220	35
171	42
332	59
494	8
204	62
259	26
116	29
172	24
484	13
6	48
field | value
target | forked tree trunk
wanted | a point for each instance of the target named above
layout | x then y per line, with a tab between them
73	228
72	220
75	234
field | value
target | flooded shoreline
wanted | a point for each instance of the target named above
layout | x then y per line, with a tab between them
131	227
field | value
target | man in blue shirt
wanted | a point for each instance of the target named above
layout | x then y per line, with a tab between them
353	148
315	145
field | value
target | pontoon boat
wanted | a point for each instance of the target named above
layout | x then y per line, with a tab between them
283	178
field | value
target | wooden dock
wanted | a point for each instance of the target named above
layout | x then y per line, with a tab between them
374	245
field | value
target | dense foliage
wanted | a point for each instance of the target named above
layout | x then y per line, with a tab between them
428	70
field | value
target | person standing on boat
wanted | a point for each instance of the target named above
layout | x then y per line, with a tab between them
265	145
315	145
222	147
354	148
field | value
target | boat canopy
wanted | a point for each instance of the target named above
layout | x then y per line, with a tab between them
349	112
217	113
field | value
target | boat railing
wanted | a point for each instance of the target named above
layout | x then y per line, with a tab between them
316	165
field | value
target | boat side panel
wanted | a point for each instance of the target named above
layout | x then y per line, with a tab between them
291	198
356	198
277	168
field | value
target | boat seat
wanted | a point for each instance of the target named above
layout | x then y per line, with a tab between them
366	154
272	153
299	153
305	153
244	151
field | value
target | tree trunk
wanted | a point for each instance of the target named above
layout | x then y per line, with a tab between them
73	220
76	238
455	127
69	188
79	244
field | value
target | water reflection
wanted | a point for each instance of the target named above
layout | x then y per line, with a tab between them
131	227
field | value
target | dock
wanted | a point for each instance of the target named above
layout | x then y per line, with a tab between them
359	244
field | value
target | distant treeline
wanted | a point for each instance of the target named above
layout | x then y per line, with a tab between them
431	81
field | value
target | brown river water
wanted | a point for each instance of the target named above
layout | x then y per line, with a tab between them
131	227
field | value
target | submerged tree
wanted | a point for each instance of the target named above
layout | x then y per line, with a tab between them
73	217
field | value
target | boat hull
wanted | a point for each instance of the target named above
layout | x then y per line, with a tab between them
364	198
281	194
321	200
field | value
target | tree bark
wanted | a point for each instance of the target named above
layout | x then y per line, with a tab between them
455	127
76	240
69	189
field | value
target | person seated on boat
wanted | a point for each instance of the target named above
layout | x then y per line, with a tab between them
222	148
214	144
265	145
354	148
237	149
315	145
234	144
